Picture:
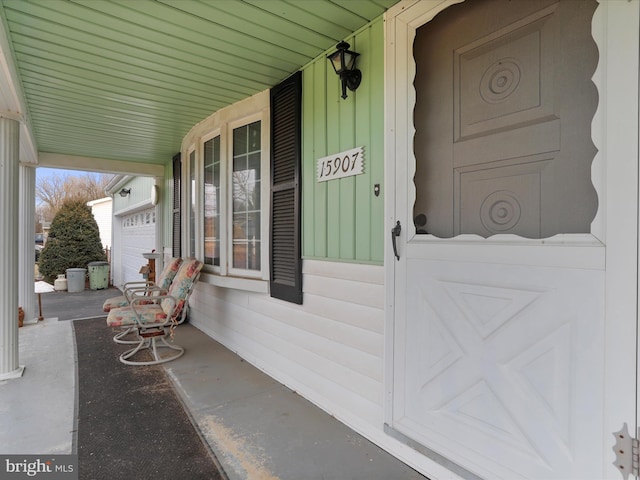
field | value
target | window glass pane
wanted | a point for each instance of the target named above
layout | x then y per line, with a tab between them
254	137
246	246
240	163
240	141
246	197
212	202
192	204
253	192
254	163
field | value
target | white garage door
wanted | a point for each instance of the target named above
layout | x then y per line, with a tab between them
138	237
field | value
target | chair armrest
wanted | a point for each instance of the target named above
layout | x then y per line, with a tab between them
157	298
136	285
144	292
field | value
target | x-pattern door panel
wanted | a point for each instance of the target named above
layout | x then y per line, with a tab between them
495	357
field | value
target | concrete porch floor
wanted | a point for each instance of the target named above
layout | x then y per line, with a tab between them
258	428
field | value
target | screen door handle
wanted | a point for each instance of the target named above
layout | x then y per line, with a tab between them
395	232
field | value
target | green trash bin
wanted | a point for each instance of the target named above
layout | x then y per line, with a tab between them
98	275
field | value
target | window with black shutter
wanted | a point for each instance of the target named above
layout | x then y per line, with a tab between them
285	254
175	212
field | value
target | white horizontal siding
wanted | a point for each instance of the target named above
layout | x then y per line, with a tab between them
330	349
102	213
368	318
352	291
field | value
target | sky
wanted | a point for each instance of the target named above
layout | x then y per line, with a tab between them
43	172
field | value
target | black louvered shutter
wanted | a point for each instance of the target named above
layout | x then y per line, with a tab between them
175	212
285	258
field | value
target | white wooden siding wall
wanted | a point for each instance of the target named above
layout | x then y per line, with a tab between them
102	213
329	349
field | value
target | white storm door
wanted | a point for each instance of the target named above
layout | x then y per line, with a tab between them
513	353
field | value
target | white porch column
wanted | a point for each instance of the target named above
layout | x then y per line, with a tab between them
158	199
26	241
9	210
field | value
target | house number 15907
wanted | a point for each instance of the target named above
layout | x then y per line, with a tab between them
340	165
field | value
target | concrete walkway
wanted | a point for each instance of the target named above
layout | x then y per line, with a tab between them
258	429
37	411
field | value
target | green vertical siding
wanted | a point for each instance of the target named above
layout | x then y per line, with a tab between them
343	219
140	193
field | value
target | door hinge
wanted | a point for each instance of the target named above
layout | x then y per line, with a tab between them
627	450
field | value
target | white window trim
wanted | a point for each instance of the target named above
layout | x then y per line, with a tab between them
222	133
255	108
264	195
238	283
186	202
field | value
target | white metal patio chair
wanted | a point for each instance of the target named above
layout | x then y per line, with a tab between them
154	322
142	290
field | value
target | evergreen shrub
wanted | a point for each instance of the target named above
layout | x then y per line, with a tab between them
73	241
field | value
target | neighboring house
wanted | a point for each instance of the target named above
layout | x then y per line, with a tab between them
468	298
46	226
135	223
102	211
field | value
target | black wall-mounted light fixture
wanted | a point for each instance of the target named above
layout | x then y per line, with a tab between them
343	61
124	192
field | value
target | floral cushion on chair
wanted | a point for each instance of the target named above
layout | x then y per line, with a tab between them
168	273
181	285
115	302
157	313
163	281
124	316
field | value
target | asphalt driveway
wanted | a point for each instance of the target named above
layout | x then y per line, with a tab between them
72	306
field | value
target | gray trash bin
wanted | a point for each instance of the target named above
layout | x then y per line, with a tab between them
75	279
98	275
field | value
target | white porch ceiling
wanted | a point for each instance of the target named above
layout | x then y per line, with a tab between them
126	79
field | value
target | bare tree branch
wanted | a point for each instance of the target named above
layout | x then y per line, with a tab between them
54	190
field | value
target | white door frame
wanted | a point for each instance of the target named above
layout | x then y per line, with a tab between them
614	132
